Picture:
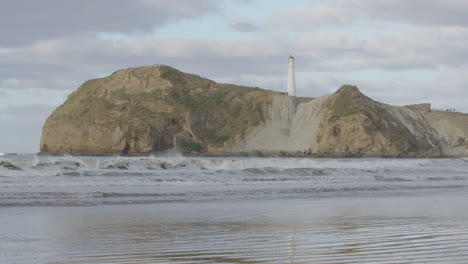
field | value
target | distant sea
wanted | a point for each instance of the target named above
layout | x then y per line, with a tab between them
175	209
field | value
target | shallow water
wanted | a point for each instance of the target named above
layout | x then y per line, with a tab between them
232	210
416	229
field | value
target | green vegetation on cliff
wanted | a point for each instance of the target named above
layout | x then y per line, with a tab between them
149	109
219	111
141	110
349	101
344	104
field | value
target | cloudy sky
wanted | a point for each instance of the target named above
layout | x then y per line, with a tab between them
396	51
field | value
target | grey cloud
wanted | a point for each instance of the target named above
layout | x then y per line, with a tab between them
72	61
424	48
65	63
244	26
26	21
346	12
430	12
419	48
328	13
68	62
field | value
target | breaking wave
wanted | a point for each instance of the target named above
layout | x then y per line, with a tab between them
40	163
83	180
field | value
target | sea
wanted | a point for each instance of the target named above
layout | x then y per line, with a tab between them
176	209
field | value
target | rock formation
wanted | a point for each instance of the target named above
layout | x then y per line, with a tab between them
150	109
452	128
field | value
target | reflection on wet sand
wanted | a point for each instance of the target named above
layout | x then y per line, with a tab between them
359	230
291	246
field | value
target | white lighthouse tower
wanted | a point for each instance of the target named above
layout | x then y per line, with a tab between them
291	77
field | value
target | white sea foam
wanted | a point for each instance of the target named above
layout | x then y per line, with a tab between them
194	178
50	165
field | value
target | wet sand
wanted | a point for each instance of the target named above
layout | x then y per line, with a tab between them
429	228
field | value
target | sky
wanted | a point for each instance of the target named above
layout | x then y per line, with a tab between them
396	51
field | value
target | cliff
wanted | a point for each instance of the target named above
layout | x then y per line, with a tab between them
344	124
150	109
453	129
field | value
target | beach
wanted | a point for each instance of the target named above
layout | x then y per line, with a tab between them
233	210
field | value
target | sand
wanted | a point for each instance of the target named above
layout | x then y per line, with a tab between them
408	229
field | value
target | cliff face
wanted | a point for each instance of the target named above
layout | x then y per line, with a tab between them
345	124
149	109
359	126
453	130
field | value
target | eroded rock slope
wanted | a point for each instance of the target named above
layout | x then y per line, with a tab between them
150	109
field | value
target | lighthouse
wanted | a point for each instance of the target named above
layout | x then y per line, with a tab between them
291	78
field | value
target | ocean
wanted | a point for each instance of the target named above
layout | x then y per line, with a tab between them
175	209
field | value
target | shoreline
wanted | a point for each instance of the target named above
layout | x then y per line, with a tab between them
259	154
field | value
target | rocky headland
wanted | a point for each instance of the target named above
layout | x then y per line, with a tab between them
146	110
